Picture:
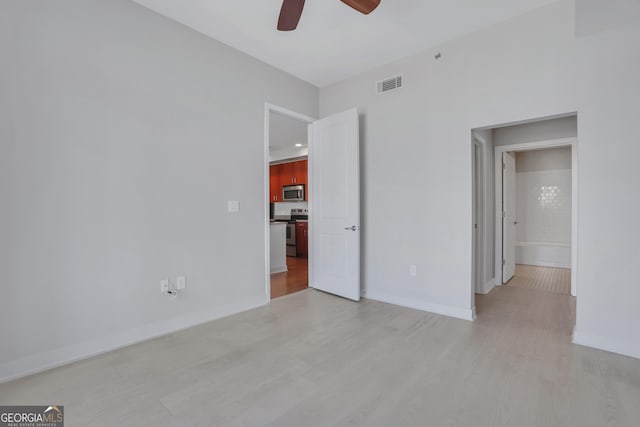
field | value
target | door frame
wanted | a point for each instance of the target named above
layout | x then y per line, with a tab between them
479	222
511	156
268	109
529	146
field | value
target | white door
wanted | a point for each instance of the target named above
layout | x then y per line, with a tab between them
509	216
334	198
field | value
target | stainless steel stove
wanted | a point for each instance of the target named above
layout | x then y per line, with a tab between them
299	214
296	215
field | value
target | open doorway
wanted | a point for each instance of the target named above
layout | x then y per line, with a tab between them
329	225
288	206
536	224
536	198
525	206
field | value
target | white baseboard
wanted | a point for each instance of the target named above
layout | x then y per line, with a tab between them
488	287
625	348
279	269
543	255
545	264
446	310
62	356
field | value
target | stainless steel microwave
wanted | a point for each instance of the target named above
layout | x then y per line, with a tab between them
293	193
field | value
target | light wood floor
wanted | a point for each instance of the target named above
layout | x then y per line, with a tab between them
294	280
546	279
311	359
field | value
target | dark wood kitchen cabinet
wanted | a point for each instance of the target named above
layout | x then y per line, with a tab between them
300	172
302	239
275	183
293	173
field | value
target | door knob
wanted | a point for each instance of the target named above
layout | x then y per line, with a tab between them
353	228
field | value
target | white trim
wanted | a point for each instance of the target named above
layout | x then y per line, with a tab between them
554	143
488	287
310	198
523	122
625	348
269	108
546	264
445	310
40	362
574	217
267	197
480	139
551	244
479	207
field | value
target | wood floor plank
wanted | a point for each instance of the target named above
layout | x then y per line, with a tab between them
313	359
294	280
547	279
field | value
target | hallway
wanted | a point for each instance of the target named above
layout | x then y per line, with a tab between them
535	298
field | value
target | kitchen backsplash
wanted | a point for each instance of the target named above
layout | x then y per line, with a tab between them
284	208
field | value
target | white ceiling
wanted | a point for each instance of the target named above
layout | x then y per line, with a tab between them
333	41
285	132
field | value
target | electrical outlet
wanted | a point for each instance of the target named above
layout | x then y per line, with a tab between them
413	271
164	285
181	283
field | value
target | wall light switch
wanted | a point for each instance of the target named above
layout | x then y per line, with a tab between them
181	283
164	285
413	271
234	206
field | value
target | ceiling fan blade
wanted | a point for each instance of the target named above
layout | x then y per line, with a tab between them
290	14
363	6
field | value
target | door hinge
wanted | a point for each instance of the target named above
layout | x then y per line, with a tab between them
504	165
504	261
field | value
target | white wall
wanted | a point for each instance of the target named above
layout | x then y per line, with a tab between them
544	207
288	153
543	160
416	155
543	130
593	16
129	134
543	196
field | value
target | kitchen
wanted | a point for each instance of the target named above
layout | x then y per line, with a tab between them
288	205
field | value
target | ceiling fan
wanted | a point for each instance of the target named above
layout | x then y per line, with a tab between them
292	11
